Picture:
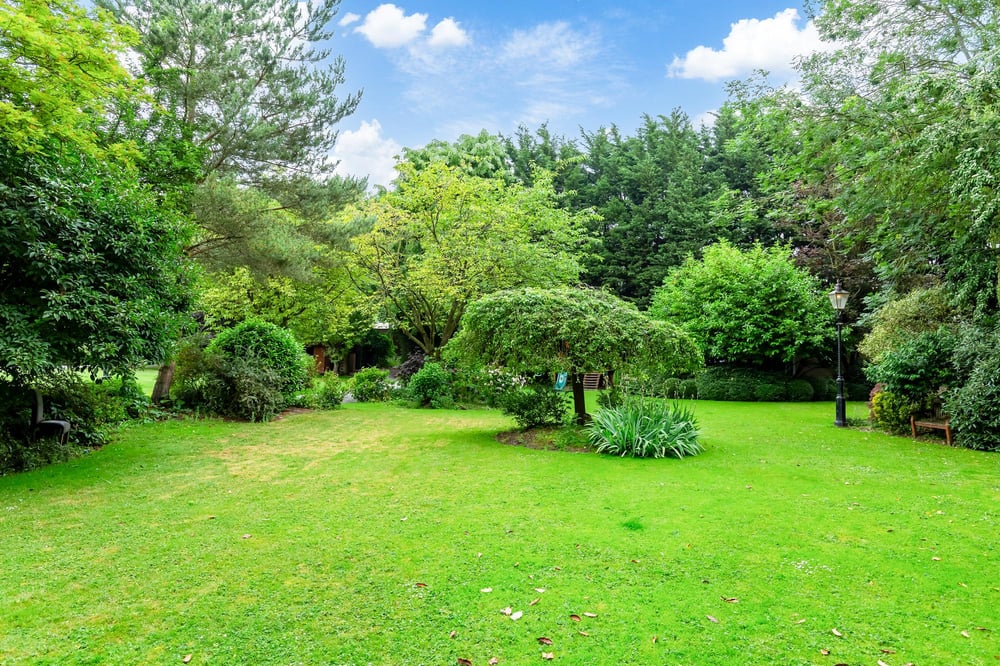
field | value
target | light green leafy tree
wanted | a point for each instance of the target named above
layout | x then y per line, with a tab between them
747	308
60	75
444	238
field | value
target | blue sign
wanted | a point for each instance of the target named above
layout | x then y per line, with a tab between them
560	381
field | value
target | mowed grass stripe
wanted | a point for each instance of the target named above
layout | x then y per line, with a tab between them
367	535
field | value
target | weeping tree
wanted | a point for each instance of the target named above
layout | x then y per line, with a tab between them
569	330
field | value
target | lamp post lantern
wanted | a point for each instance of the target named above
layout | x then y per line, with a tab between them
838	298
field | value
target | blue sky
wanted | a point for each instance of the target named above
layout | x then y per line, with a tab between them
436	69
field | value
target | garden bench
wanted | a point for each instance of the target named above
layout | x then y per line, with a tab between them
41	425
933	424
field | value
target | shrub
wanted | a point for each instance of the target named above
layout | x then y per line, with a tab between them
891	412
411	366
799	390
768	390
370	385
974	408
612	397
671	387
645	428
249	391
920	311
431	386
917	367
720	383
329	392
267	347
688	389
536	405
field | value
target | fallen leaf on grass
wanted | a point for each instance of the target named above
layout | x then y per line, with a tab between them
516	616
655	639
881	663
965	633
187	658
825	652
540	590
486	590
575	617
549	656
802	621
712	619
590	614
246	536
420	585
507	611
888	651
545	640
936	559
730	600
464	662
583	633
453	634
534	601
836	633
494	661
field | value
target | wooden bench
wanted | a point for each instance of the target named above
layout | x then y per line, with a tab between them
933	424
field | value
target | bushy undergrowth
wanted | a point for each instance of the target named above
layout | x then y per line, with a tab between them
645	428
328	392
249	372
431	386
974	407
535	405
94	410
891	412
371	385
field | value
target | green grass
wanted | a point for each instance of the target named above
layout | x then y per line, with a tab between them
367	536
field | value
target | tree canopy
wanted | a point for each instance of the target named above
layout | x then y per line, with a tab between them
746	308
444	238
92	275
570	330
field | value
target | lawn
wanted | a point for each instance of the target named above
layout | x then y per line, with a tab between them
381	535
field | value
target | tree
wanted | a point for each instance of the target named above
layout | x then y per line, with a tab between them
652	194
242	80
60	74
573	331
444	238
92	276
746	308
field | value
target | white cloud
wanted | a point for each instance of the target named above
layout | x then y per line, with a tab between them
348	19
554	44
388	26
772	44
365	152
448	33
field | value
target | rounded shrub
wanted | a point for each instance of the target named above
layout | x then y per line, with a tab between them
768	390
688	389
891	412
645	428
264	346
721	383
799	390
671	387
536	405
431	386
370	385
824	388
329	392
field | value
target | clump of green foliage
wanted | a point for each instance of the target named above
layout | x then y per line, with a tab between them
751	308
371	385
891	412
535	405
920	311
645	428
974	407
251	372
431	386
918	367
328	392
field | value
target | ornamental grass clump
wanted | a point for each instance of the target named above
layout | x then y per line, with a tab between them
645	428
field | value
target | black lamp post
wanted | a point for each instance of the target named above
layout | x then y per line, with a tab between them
838	298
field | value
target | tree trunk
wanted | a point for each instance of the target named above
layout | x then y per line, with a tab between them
165	376
579	402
